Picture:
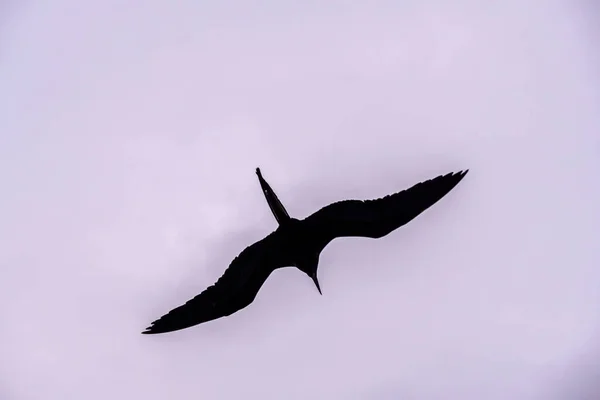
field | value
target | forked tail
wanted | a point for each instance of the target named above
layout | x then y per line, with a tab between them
275	205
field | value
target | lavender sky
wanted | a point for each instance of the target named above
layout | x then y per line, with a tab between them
129	134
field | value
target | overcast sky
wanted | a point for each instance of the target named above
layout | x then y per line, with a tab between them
129	134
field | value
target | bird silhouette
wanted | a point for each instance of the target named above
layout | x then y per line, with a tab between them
298	243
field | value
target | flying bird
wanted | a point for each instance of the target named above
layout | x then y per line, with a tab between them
299	243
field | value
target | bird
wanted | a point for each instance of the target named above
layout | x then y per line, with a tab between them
299	243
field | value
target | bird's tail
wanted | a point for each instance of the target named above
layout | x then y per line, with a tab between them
275	205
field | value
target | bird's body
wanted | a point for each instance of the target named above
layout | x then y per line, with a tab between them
299	243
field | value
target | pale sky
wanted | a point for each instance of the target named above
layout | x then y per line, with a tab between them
129	135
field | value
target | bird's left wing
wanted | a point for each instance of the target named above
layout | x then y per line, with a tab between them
377	218
234	290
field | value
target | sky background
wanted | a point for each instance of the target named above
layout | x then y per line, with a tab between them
129	135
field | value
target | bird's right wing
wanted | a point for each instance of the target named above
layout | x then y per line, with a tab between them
234	290
377	218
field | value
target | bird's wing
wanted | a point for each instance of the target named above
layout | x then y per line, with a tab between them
377	218
234	290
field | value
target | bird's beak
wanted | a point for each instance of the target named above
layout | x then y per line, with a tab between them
316	281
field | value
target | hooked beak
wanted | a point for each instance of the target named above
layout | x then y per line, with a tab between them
316	281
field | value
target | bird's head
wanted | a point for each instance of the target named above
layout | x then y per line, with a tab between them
309	266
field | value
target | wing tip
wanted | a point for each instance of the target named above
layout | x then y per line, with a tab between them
452	178
460	174
149	330
152	330
157	326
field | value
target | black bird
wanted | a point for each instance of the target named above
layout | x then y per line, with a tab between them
299	243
